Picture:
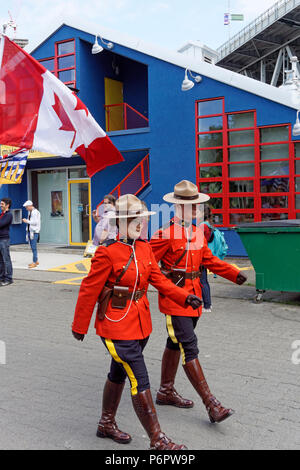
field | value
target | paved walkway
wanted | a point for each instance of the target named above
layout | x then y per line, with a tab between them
51	384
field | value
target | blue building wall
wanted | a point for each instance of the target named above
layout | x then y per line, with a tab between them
153	87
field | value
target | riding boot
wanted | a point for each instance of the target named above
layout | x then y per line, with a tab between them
107	426
167	395
145	410
216	411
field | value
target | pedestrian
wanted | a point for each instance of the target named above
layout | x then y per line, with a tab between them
6	270
124	268
205	287
104	230
181	248
32	230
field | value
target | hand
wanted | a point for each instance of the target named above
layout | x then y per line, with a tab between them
241	279
193	301
78	336
24	220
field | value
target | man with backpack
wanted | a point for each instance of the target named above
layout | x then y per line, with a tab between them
217	244
182	249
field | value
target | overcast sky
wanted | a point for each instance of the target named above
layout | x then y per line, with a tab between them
169	23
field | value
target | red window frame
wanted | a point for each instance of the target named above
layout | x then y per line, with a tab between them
56	58
257	212
59	56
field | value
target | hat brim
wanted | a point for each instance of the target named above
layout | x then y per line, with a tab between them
169	197
129	216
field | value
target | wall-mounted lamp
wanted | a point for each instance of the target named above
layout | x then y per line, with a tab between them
296	128
97	48
187	84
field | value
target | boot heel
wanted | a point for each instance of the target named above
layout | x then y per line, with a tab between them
100	434
211	419
158	402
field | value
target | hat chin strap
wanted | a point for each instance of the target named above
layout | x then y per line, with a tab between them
181	213
130	232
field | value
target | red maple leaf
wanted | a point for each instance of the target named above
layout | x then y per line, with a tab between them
64	118
80	105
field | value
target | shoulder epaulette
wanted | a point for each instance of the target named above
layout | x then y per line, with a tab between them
167	225
109	242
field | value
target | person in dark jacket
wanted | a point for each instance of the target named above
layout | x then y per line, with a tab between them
6	270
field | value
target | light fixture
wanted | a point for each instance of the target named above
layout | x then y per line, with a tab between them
187	84
97	48
296	128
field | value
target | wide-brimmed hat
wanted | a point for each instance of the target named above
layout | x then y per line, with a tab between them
129	206
186	192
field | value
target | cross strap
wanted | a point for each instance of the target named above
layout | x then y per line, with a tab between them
124	269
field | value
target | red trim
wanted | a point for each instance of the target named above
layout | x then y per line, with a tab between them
144	182
58	56
125	106
257	145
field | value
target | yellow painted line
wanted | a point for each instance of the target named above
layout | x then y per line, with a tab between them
242	269
74	281
80	267
246	268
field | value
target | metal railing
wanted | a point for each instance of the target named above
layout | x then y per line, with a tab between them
281	8
134	182
122	116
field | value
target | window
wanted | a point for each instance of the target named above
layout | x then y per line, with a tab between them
245	168
48	64
63	64
211	156
65	61
209	107
240	120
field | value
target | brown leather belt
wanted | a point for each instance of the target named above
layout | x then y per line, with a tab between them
193	275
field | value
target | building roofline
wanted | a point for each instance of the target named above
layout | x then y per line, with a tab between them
215	72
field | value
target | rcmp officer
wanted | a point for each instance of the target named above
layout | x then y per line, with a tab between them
182	249
127	266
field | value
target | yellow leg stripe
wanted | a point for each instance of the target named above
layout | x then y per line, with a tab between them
171	329
182	354
112	350
173	337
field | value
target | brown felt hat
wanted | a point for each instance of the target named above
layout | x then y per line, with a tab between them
128	206
186	192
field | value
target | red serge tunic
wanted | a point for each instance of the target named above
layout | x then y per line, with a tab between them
169	243
106	265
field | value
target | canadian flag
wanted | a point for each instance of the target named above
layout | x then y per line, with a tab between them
39	112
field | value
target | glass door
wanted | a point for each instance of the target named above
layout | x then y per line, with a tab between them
79	211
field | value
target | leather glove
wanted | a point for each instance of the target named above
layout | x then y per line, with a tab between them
241	278
193	301
78	336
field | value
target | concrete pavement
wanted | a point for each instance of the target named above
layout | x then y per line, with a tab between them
51	384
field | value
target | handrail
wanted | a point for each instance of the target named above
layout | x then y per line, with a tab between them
125	107
278	10
145	179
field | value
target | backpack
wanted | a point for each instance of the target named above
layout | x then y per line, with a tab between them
218	245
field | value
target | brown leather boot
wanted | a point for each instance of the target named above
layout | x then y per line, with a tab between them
216	411
145	410
167	394
107	426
